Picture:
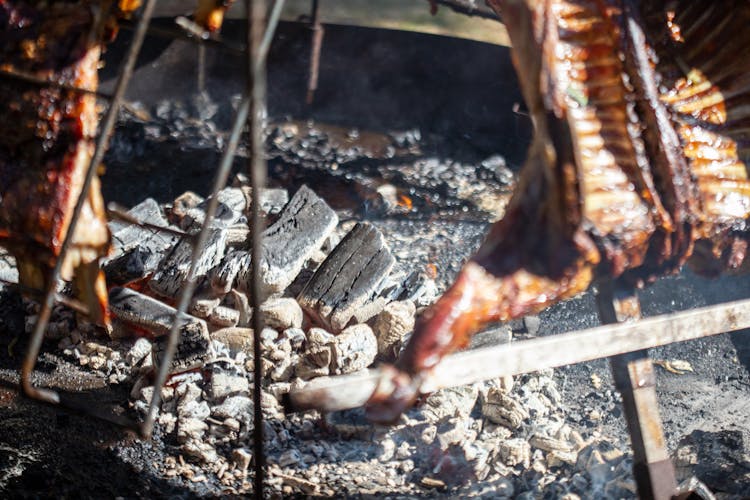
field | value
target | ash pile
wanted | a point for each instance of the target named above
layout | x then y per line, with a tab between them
338	302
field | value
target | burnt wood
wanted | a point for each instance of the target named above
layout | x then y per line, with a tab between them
348	279
301	229
167	281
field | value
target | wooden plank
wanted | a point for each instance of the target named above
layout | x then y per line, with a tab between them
352	391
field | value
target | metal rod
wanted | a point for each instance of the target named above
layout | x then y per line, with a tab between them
352	391
256	88
220	180
317	43
201	68
23	76
101	145
116	212
214	41
634	378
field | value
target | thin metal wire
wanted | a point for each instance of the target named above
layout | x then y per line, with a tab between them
23	76
116	212
101	145
256	89
317	43
220	180
213	41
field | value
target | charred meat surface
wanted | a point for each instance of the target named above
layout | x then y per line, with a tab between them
47	140
638	163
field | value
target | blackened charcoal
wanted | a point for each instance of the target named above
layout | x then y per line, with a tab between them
137	251
167	281
347	280
301	229
231	207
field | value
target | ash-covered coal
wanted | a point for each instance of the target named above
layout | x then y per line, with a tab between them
502	436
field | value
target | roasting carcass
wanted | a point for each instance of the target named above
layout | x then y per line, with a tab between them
47	140
49	56
639	162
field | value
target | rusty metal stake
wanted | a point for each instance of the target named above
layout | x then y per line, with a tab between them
317	43
634	378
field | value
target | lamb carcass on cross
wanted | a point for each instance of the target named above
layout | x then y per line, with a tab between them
639	164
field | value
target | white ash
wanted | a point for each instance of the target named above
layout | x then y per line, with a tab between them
502	438
282	313
392	325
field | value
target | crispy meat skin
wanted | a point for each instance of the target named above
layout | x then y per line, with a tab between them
701	63
46	141
639	162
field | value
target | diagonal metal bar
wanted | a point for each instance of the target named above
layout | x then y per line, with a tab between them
213	41
220	180
101	146
352	391
117	212
318	31
23	76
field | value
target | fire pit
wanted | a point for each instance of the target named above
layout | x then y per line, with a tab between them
415	182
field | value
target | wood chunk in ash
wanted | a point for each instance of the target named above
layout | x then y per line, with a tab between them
137	251
224	276
146	313
346	282
231	208
272	200
301	229
167	281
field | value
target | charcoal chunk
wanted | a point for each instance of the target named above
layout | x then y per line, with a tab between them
348	280
137	251
301	229
167	281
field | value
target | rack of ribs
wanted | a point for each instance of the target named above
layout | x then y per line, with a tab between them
639	164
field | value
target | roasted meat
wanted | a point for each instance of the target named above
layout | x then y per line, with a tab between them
641	113
210	13
47	141
49	56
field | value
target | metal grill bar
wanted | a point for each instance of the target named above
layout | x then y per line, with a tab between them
101	145
256	89
213	41
220	180
636	382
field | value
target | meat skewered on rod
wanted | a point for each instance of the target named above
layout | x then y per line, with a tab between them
638	163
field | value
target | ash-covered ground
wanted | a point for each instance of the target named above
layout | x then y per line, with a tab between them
416	135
